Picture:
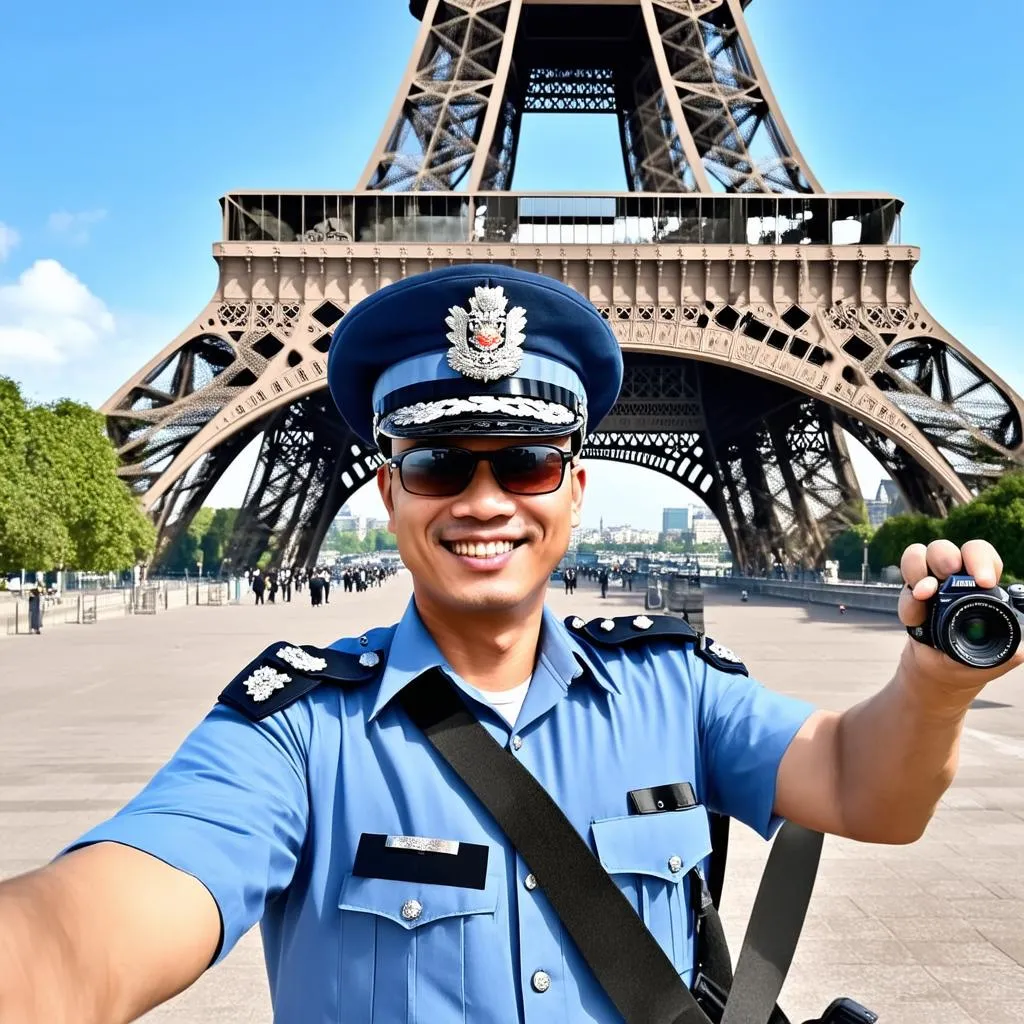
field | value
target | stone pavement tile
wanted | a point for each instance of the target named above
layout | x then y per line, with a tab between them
829	951
940	953
994	982
901	903
950	929
1007	936
991	1011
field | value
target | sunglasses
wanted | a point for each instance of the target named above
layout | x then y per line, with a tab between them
444	472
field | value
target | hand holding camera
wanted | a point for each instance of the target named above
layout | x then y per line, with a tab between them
968	629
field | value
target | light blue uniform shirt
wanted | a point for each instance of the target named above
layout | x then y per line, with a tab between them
269	816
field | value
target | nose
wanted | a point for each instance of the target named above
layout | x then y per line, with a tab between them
483	497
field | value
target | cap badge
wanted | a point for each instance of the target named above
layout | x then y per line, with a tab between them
487	340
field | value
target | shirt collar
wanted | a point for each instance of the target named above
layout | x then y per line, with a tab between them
412	651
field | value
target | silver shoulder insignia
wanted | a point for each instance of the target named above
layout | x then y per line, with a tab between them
607	625
264	681
300	660
723	652
369	659
577	623
642	622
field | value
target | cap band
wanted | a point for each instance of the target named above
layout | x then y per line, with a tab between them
433	368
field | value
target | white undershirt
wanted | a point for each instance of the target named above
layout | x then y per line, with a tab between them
508	703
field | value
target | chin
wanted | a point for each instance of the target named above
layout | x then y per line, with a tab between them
484	596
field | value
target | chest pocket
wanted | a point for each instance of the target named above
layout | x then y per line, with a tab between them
650	856
403	947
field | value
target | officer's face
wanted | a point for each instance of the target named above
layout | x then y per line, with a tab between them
483	549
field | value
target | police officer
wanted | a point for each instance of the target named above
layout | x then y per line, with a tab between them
296	802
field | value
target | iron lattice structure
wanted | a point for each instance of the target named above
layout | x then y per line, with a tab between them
761	319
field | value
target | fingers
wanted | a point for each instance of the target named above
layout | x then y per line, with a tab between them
943	559
982	561
912	611
914	564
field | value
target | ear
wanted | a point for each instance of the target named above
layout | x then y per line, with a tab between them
384	482
578	482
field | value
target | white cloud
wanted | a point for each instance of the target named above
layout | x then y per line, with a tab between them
49	316
9	238
75	227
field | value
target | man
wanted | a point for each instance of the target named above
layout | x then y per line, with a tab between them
309	802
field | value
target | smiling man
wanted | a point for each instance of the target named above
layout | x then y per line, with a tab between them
310	801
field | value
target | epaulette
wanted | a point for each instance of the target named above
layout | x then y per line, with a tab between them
285	672
630	631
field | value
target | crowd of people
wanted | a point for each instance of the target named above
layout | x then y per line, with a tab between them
265	586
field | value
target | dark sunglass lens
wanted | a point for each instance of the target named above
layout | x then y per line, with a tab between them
436	472
531	469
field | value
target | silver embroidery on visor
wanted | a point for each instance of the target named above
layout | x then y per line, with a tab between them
516	406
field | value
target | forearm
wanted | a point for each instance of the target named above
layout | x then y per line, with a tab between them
40	979
897	754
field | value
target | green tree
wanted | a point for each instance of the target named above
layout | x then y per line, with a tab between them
848	548
996	515
62	504
184	553
217	537
896	534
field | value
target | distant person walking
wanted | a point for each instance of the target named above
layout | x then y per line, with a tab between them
259	585
602	578
35	611
316	590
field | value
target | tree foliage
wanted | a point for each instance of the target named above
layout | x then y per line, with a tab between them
347	542
62	504
896	534
848	548
996	515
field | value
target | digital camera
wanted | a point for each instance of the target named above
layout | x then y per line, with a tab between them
977	626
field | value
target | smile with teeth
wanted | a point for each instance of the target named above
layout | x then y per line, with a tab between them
475	549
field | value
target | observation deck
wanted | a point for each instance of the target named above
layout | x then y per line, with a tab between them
552	218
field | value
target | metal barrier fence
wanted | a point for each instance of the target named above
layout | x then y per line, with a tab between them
88	607
867	597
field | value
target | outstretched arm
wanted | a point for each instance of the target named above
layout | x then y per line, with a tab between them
100	937
877	772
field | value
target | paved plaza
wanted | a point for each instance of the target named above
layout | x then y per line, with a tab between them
928	934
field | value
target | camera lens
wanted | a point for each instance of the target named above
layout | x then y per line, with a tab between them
980	632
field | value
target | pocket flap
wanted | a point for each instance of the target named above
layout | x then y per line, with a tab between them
412	904
653	844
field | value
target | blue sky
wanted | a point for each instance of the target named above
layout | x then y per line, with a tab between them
124	122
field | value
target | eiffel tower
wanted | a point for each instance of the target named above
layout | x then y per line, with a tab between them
760	316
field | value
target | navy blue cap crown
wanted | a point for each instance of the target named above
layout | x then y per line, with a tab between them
474	350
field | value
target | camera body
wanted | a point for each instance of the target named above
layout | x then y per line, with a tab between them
981	627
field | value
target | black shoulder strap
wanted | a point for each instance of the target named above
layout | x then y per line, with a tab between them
625	958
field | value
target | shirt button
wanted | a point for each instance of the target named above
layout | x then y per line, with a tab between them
517	742
411	910
530	881
541	981
675	864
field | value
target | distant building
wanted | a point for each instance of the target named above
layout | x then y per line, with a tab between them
345	522
887	502
708	531
675	520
